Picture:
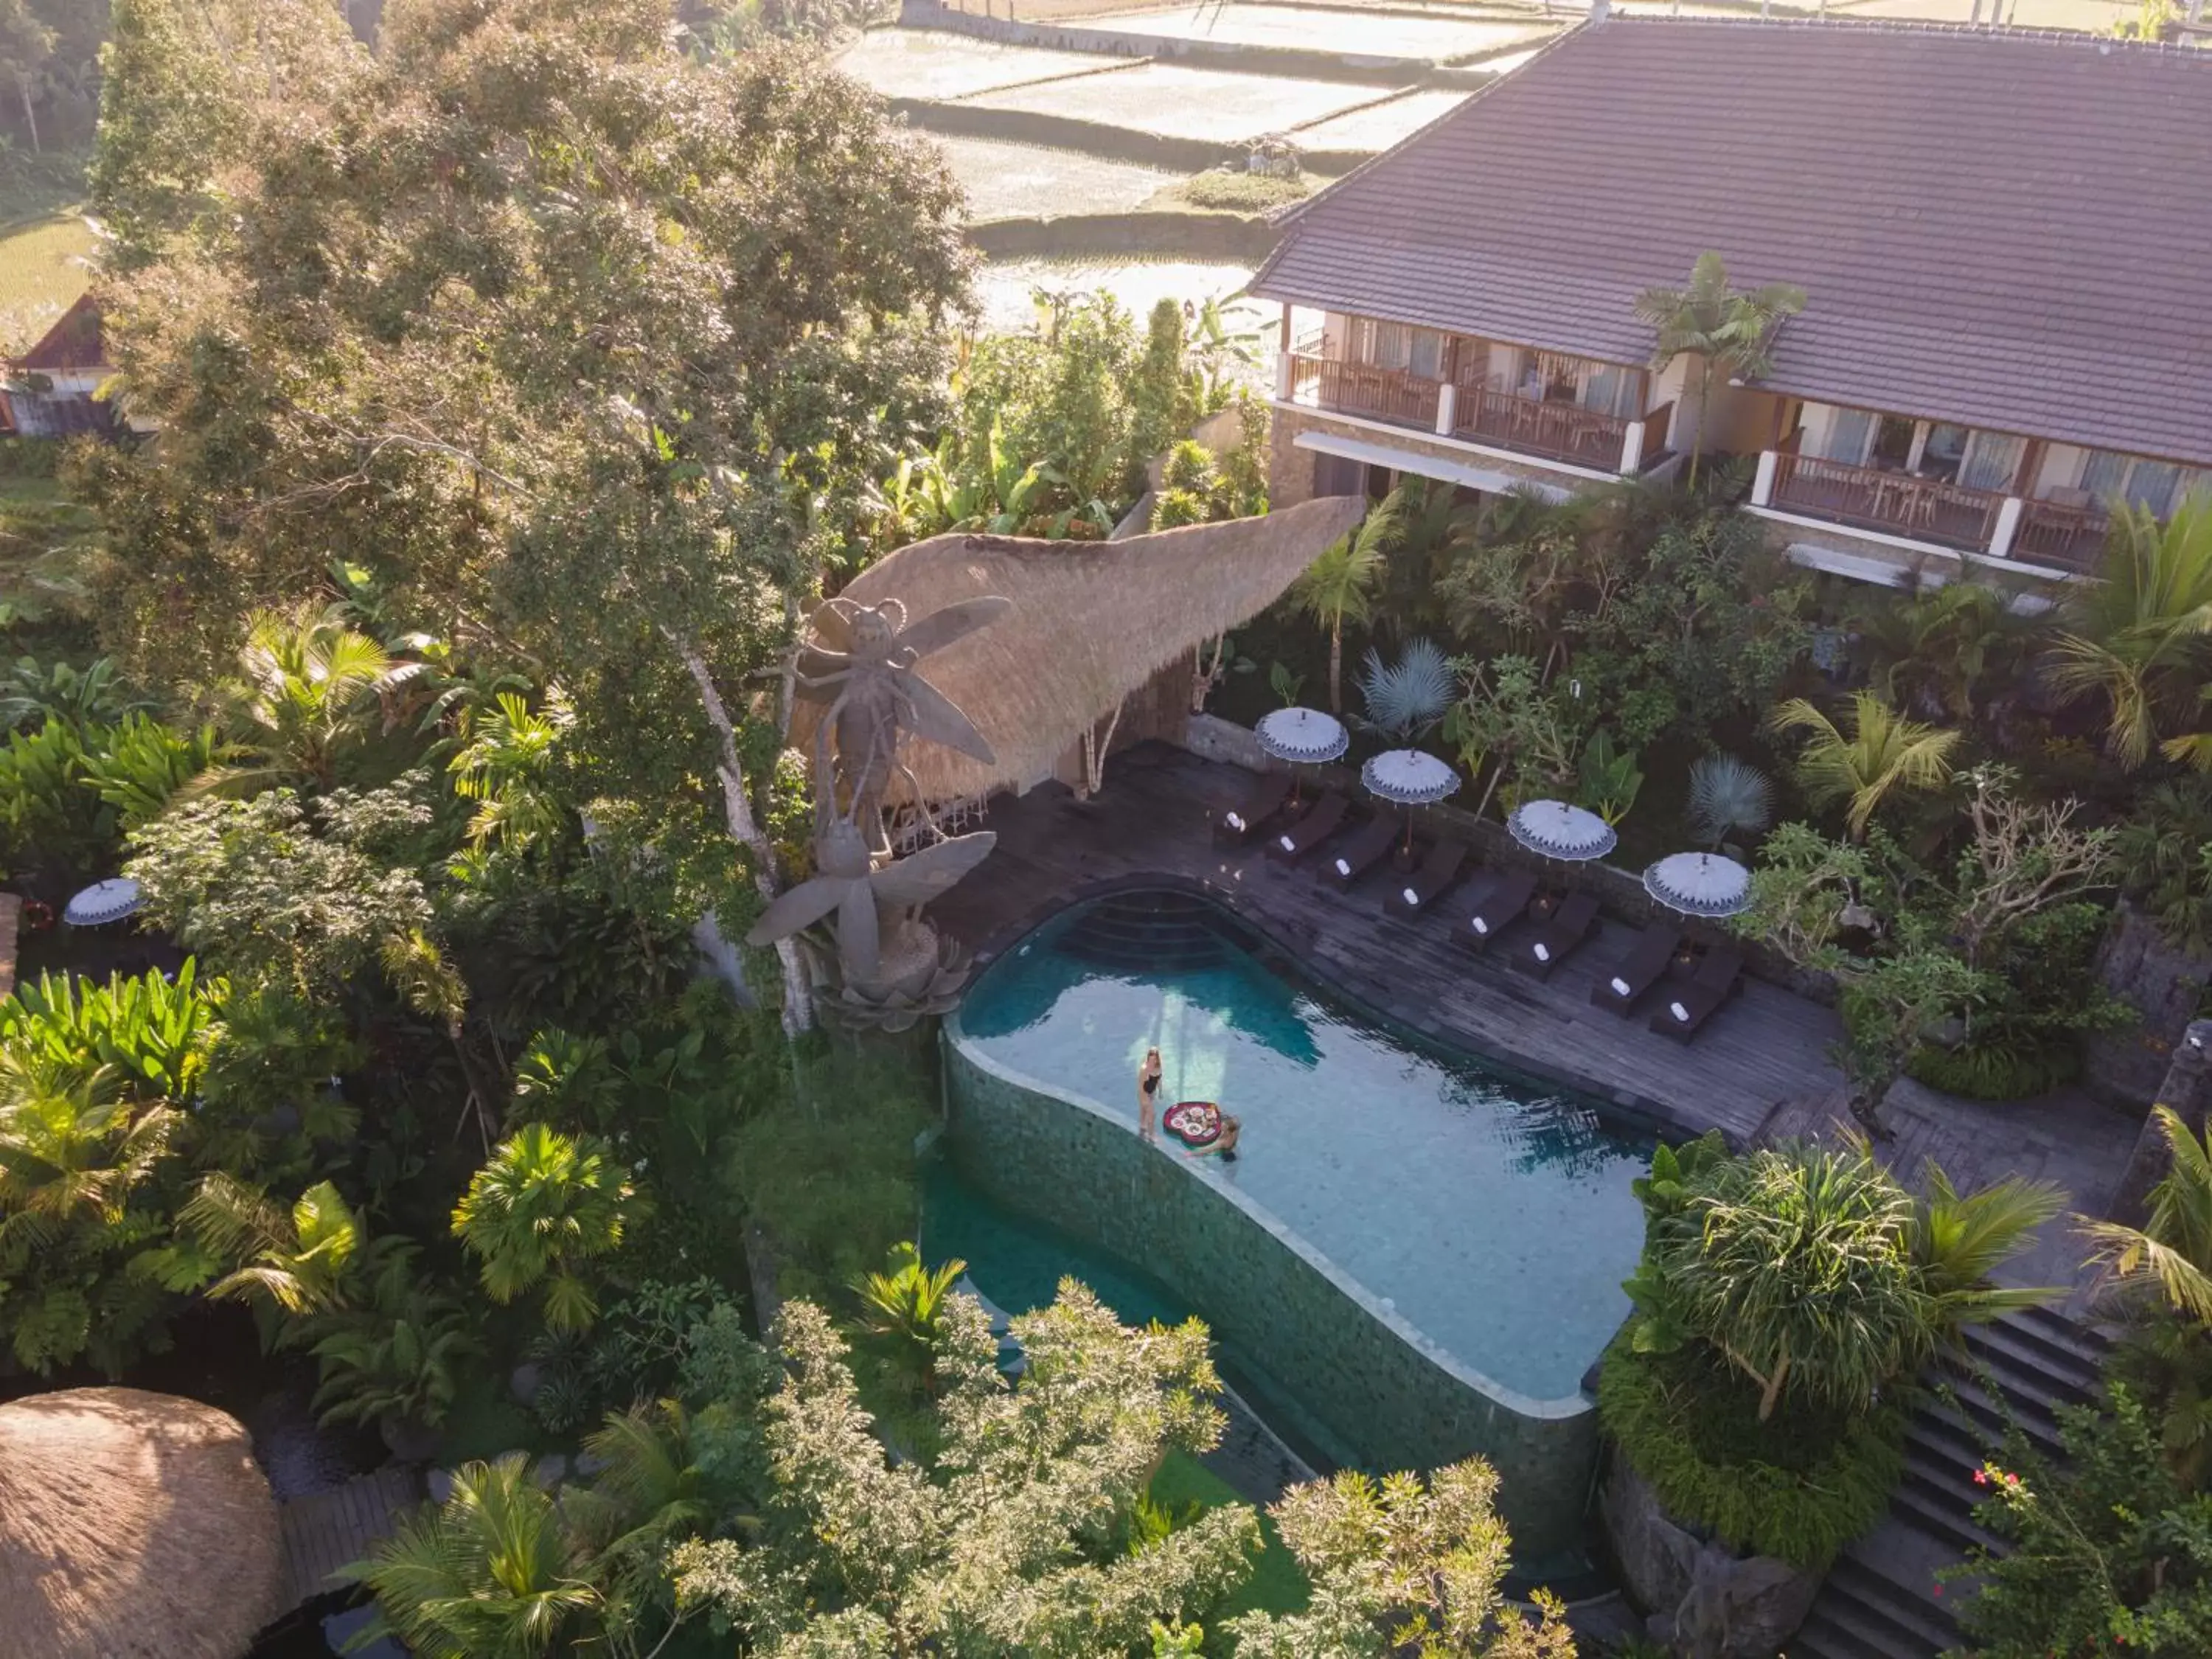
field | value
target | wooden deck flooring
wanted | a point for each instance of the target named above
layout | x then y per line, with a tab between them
1152	822
334	1528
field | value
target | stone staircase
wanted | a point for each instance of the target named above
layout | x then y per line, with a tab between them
1882	1599
1150	933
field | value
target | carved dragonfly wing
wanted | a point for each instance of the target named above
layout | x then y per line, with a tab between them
922	877
803	906
930	714
950	623
860	948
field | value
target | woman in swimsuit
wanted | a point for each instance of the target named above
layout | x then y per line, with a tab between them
1223	1145
1148	1092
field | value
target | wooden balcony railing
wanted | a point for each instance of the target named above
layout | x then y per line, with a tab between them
1381	394
1564	431
1658	428
1898	503
2053	532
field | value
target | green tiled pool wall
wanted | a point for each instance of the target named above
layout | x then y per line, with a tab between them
1365	1374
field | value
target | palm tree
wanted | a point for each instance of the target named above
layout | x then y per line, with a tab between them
1340	584
906	1308
308	688
546	1204
73	1145
490	1574
1725	331
2166	1263
1885	753
296	1259
505	765
2138	637
1958	1240
2171	1251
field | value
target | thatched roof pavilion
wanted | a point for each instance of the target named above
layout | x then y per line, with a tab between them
1092	622
132	1526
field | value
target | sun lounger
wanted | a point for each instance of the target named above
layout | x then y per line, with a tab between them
1255	811
1315	825
1414	894
1495	908
1621	986
1717	978
1574	921
1360	852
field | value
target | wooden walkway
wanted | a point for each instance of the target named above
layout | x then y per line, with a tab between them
335	1529
1152	823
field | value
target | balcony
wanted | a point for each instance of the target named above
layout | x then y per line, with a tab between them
2058	533
1550	429
1904	504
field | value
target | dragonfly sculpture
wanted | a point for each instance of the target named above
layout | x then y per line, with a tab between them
849	885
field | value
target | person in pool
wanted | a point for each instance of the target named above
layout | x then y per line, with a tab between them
1223	1143
1148	1092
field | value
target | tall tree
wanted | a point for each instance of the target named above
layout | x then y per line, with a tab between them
1725	331
580	348
1340	586
2141	637
26	44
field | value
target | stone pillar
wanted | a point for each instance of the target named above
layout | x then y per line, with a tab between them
2187	1092
1631	450
1290	469
1447	408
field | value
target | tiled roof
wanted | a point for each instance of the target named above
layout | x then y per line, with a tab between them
2005	228
74	341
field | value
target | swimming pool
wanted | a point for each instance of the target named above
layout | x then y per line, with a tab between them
1427	1252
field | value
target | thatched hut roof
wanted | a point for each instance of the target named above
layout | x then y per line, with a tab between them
132	1526
1092	622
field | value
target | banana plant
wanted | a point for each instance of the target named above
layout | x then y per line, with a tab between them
1609	776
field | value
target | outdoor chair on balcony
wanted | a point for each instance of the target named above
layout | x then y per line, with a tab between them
1574	922
1718	977
1621	987
1253	814
1495	907
1438	871
1311	828
1360	852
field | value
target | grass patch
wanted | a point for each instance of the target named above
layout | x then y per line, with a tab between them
1276	1584
45	537
43	269
1224	189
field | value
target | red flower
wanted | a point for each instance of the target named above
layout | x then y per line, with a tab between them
1981	1477
1939	1590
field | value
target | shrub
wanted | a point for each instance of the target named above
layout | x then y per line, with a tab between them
1227	190
1798	1488
1996	1071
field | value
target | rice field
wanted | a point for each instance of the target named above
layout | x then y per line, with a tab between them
43	269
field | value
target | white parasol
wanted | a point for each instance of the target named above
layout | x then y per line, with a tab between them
1304	737
1699	885
1408	778
102	903
1561	831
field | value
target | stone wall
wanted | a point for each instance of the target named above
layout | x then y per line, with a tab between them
2166	989
1370	1377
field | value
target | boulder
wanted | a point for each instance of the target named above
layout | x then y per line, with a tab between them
1703	1598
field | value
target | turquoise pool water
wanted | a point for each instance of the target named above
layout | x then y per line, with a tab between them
1492	1216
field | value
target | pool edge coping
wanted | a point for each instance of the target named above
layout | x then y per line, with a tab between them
1559	1409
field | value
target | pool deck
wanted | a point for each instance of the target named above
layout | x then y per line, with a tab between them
1153	823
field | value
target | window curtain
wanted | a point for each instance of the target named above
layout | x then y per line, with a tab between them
1610	388
2151	484
2103	474
1992	461
1848	431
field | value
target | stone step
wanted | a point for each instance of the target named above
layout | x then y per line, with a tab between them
2016	1358
1931	1507
1911	1608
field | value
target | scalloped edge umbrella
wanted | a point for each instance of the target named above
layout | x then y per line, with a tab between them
1573	835
104	901
1699	885
1408	778
1302	737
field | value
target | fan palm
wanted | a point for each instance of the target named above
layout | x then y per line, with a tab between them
1885	754
1340	585
2137	637
489	1574
1406	697
1724	329
308	688
546	1204
1727	796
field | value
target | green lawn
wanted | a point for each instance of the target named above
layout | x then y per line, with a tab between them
1276	1584
42	270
